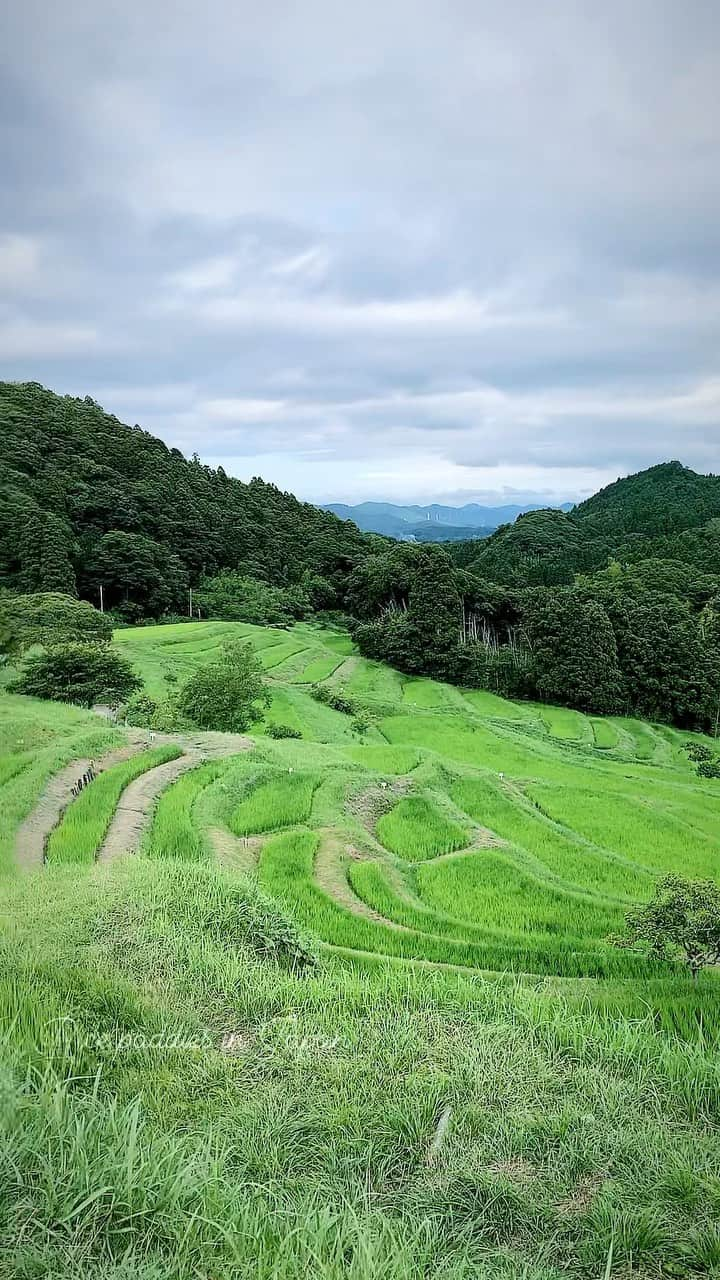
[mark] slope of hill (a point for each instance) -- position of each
(349, 1011)
(667, 511)
(82, 494)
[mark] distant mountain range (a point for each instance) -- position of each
(434, 523)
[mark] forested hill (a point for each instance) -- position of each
(667, 512)
(85, 499)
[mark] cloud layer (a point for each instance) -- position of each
(407, 250)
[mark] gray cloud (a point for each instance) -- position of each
(404, 250)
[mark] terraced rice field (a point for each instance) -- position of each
(467, 829)
(459, 861)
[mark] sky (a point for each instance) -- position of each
(407, 250)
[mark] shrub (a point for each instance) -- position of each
(139, 710)
(50, 618)
(226, 695)
(81, 673)
(697, 751)
(708, 769)
(682, 921)
(282, 731)
(335, 698)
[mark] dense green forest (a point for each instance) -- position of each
(611, 607)
(86, 501)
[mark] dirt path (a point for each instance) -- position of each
(137, 805)
(34, 832)
(330, 876)
(137, 802)
(371, 803)
(239, 853)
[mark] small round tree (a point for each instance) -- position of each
(81, 673)
(682, 921)
(50, 618)
(226, 695)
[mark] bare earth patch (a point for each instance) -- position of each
(239, 853)
(330, 877)
(34, 832)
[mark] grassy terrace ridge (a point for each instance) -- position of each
(352, 1011)
(85, 822)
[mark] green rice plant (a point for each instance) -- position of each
(374, 683)
(605, 734)
(503, 943)
(566, 724)
(320, 668)
(397, 760)
(642, 736)
(286, 871)
(175, 831)
(85, 822)
(415, 829)
(283, 801)
(339, 642)
(569, 859)
(40, 738)
(281, 710)
(427, 693)
(648, 836)
(280, 653)
(485, 703)
(487, 887)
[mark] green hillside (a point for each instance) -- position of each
(352, 1008)
(86, 501)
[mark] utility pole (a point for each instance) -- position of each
(102, 602)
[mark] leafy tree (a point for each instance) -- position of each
(681, 921)
(574, 653)
(235, 597)
(134, 569)
(49, 618)
(64, 457)
(435, 608)
(81, 673)
(226, 695)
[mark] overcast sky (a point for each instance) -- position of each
(406, 249)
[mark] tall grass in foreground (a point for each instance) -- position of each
(415, 829)
(283, 801)
(175, 832)
(86, 820)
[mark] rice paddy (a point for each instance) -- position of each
(467, 1078)
(415, 829)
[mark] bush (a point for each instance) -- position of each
(50, 618)
(81, 673)
(697, 751)
(335, 698)
(708, 769)
(282, 731)
(139, 710)
(361, 724)
(226, 695)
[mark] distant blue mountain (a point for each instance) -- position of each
(434, 523)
